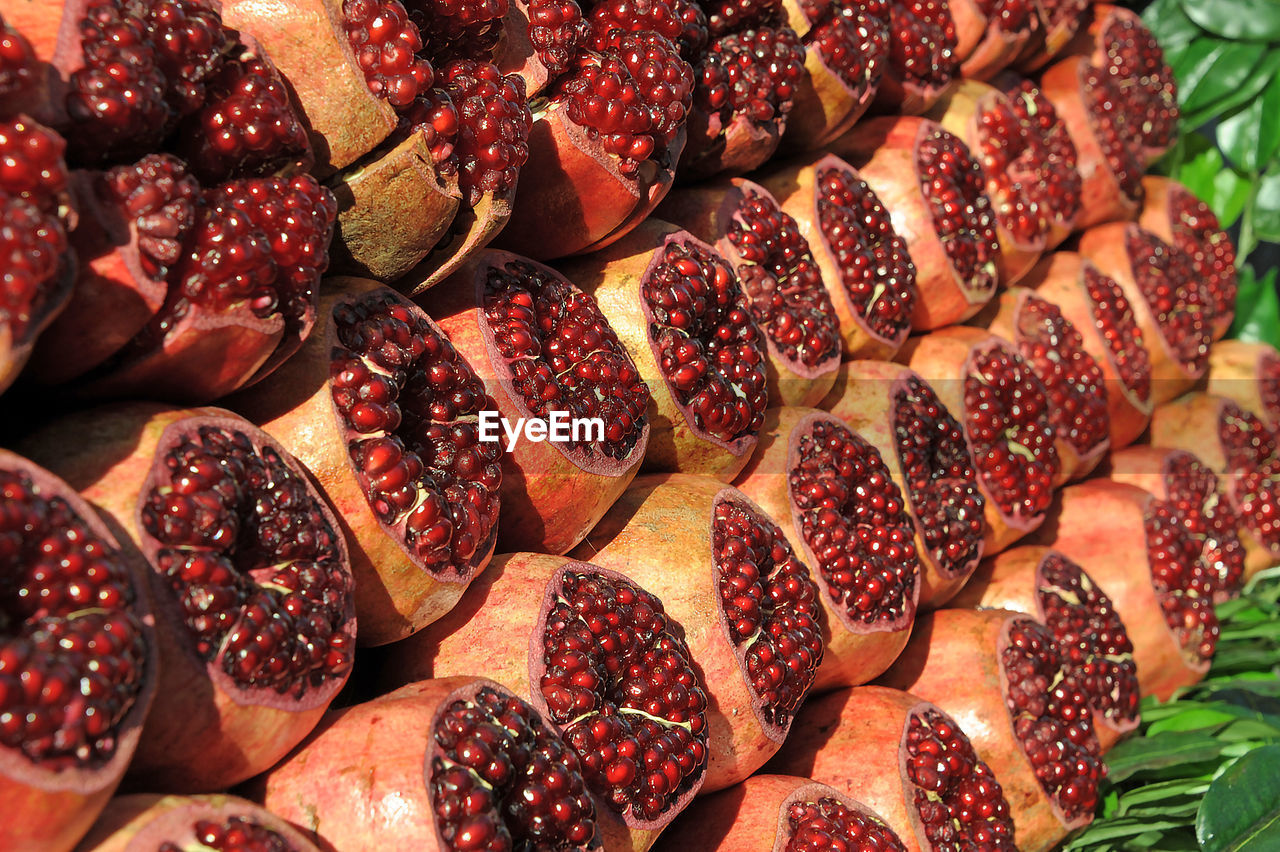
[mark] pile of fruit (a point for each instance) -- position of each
(849, 413)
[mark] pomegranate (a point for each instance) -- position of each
(603, 147)
(991, 34)
(704, 548)
(1089, 101)
(1058, 22)
(1074, 383)
(864, 263)
(1008, 684)
(935, 192)
(544, 349)
(1249, 374)
(778, 273)
(461, 763)
(1175, 215)
(779, 813)
(923, 447)
(1004, 409)
(77, 660)
(1172, 308)
(154, 823)
(598, 657)
(907, 759)
(1120, 46)
(922, 57)
(1095, 646)
(383, 411)
(1192, 492)
(1115, 529)
(679, 309)
(1101, 313)
(1245, 454)
(835, 498)
(249, 576)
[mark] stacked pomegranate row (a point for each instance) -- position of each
(775, 572)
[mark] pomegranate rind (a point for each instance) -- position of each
(995, 48)
(1052, 34)
(1099, 525)
(553, 493)
(395, 596)
(954, 659)
(1013, 580)
(752, 816)
(1237, 371)
(708, 211)
(855, 653)
(205, 732)
(58, 807)
(796, 189)
(361, 807)
(659, 534)
(498, 627)
(1059, 279)
(863, 398)
(714, 148)
(615, 278)
(345, 120)
(883, 150)
(144, 822)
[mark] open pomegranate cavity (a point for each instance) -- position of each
(1119, 328)
(828, 824)
(1149, 95)
(1196, 231)
(921, 48)
(1103, 99)
(954, 184)
(1183, 587)
(235, 834)
(1253, 472)
(1060, 195)
(1167, 282)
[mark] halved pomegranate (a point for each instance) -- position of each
(1175, 215)
(1136, 548)
(779, 813)
(935, 192)
(1249, 374)
(923, 447)
(1004, 409)
(249, 577)
(545, 351)
(922, 57)
(143, 822)
(597, 656)
(835, 498)
(1100, 312)
(1170, 302)
(78, 664)
(1245, 454)
(992, 34)
(462, 763)
(1006, 682)
(864, 262)
(780, 276)
(710, 554)
(1095, 645)
(383, 411)
(679, 309)
(1074, 383)
(1059, 21)
(1192, 492)
(907, 759)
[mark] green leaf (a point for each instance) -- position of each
(1193, 718)
(1241, 810)
(1250, 136)
(1202, 161)
(1122, 827)
(1214, 71)
(1174, 748)
(1170, 25)
(1164, 792)
(1236, 19)
(1257, 308)
(1266, 218)
(1261, 76)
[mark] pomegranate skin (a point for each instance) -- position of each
(855, 653)
(1061, 279)
(1014, 580)
(1249, 374)
(985, 47)
(660, 534)
(553, 495)
(204, 732)
(498, 628)
(58, 807)
(954, 660)
(1099, 525)
(752, 816)
(144, 822)
(395, 596)
(864, 399)
(377, 757)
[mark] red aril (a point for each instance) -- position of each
(923, 447)
(1059, 20)
(991, 34)
(922, 58)
(144, 822)
(834, 497)
(1249, 374)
